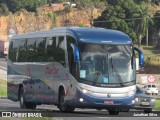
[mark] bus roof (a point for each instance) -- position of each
(84, 34)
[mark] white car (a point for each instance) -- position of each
(143, 101)
(151, 89)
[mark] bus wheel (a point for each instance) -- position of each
(113, 112)
(23, 104)
(70, 109)
(62, 105)
(21, 99)
(30, 105)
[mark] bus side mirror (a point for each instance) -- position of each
(141, 56)
(75, 53)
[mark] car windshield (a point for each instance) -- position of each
(138, 90)
(153, 86)
(101, 63)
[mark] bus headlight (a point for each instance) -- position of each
(136, 99)
(84, 91)
(130, 93)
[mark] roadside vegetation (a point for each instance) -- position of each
(151, 59)
(3, 88)
(157, 105)
(134, 18)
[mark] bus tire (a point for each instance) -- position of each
(21, 99)
(30, 105)
(113, 112)
(62, 105)
(23, 104)
(70, 109)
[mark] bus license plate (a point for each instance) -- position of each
(108, 102)
(145, 103)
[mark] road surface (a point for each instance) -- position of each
(3, 69)
(10, 106)
(3, 63)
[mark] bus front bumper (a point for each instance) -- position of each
(82, 100)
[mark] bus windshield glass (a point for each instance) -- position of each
(106, 64)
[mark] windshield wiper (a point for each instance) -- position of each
(117, 73)
(96, 79)
(112, 64)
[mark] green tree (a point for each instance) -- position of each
(117, 16)
(141, 15)
(30, 5)
(60, 1)
(39, 3)
(157, 28)
(87, 3)
(157, 20)
(157, 2)
(4, 9)
(112, 2)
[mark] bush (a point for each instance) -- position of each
(157, 105)
(4, 9)
(68, 8)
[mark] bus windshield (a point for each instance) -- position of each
(106, 64)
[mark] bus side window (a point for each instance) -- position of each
(31, 50)
(55, 51)
(12, 55)
(13, 51)
(40, 49)
(22, 50)
(50, 49)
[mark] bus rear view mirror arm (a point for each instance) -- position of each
(76, 53)
(141, 56)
